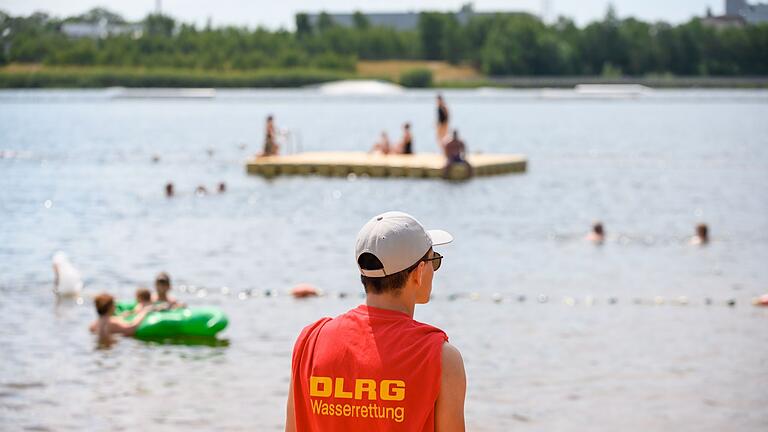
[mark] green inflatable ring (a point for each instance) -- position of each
(202, 321)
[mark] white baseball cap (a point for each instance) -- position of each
(398, 240)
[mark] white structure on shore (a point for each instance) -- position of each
(100, 30)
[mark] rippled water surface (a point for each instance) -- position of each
(557, 334)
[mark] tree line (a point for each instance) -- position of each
(503, 44)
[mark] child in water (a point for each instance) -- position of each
(108, 324)
(143, 299)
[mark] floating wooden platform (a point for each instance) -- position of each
(422, 165)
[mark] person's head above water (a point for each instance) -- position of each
(105, 304)
(702, 232)
(143, 295)
(162, 283)
(394, 251)
(597, 228)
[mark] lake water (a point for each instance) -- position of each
(556, 333)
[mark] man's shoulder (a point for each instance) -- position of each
(310, 328)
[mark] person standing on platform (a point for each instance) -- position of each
(442, 119)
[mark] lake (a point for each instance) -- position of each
(645, 332)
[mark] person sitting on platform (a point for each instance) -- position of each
(455, 151)
(107, 324)
(406, 144)
(382, 145)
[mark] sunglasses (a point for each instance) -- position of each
(436, 259)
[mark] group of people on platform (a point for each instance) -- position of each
(109, 323)
(452, 147)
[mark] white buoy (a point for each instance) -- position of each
(67, 282)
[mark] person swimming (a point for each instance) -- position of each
(597, 235)
(143, 299)
(107, 324)
(169, 189)
(702, 235)
(163, 287)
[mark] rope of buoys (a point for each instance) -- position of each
(305, 290)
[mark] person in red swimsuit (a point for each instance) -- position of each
(375, 368)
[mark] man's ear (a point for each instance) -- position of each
(417, 273)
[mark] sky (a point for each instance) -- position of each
(275, 14)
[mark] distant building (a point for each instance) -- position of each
(402, 20)
(751, 13)
(100, 30)
(723, 21)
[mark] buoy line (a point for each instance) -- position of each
(497, 298)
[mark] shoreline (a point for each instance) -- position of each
(38, 76)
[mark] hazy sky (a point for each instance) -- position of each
(277, 13)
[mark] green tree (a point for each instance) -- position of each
(159, 25)
(361, 21)
(303, 26)
(325, 22)
(431, 26)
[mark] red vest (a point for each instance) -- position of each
(369, 369)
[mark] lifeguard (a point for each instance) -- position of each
(374, 367)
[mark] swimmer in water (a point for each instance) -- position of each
(108, 325)
(702, 235)
(169, 189)
(222, 187)
(163, 286)
(143, 300)
(597, 235)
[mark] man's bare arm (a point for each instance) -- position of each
(129, 328)
(290, 417)
(449, 409)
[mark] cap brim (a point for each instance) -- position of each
(439, 237)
